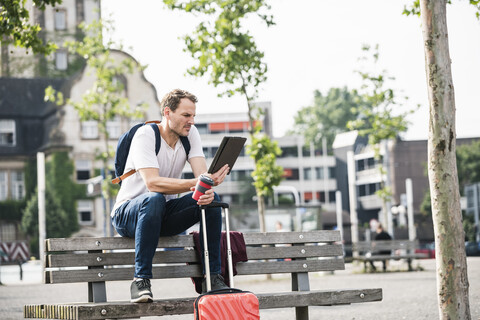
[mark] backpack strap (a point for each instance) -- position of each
(158, 140)
(157, 137)
(186, 145)
(154, 126)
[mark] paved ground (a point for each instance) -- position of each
(406, 295)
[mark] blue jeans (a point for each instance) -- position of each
(149, 216)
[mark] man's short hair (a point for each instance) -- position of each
(172, 99)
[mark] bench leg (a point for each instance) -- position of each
(409, 261)
(97, 292)
(300, 282)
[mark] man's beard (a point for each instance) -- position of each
(180, 133)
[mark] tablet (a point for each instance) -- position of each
(227, 153)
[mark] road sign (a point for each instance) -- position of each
(14, 251)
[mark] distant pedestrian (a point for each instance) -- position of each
(381, 234)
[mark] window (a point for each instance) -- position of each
(60, 19)
(362, 190)
(214, 151)
(85, 212)
(237, 127)
(83, 169)
(8, 232)
(360, 165)
(114, 129)
(17, 186)
(120, 83)
(202, 128)
(368, 189)
(307, 173)
(290, 174)
(331, 172)
(239, 175)
(90, 129)
(331, 196)
(205, 151)
(61, 59)
(289, 152)
(3, 185)
(7, 133)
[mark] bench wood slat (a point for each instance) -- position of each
(379, 245)
(186, 256)
(292, 237)
(115, 274)
(116, 258)
(390, 257)
(123, 310)
(185, 271)
(269, 267)
(110, 243)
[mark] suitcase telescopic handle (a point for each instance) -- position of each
(215, 205)
(225, 206)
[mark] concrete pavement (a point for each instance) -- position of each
(406, 295)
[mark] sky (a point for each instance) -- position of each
(315, 45)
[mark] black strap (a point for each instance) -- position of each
(158, 140)
(186, 144)
(157, 137)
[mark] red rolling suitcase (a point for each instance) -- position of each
(224, 304)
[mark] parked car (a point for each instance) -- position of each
(472, 248)
(427, 248)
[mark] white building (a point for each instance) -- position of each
(298, 162)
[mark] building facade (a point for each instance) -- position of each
(59, 24)
(29, 124)
(400, 160)
(304, 169)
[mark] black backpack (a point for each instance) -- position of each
(123, 147)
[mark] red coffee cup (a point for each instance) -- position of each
(204, 183)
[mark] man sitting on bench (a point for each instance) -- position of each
(147, 205)
(381, 235)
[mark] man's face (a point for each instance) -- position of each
(182, 119)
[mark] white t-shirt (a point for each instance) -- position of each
(170, 162)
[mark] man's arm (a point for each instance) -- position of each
(155, 183)
(199, 165)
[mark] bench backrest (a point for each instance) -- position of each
(108, 259)
(385, 245)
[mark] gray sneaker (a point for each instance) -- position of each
(140, 291)
(217, 283)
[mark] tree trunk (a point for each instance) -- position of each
(261, 211)
(452, 279)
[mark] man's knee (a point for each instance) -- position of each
(154, 205)
(156, 199)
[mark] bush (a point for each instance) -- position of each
(56, 220)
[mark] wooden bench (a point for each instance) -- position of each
(369, 251)
(98, 260)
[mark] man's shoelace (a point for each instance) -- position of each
(143, 284)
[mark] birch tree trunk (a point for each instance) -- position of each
(452, 279)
